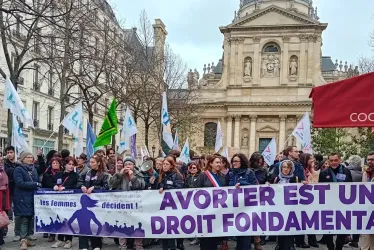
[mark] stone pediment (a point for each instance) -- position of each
(267, 128)
(273, 16)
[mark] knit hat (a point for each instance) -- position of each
(129, 159)
(24, 154)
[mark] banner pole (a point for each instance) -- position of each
(51, 136)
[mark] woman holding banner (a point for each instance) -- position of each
(311, 175)
(242, 175)
(95, 179)
(212, 177)
(66, 180)
(169, 178)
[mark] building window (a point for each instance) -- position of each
(18, 25)
(96, 46)
(95, 127)
(38, 144)
(263, 142)
(210, 132)
(50, 119)
(36, 85)
(51, 91)
(35, 113)
(271, 48)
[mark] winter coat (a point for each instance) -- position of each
(192, 180)
(325, 175)
(299, 171)
(204, 181)
(9, 169)
(93, 179)
(68, 180)
(120, 182)
(26, 182)
(243, 176)
(49, 179)
(261, 175)
(170, 180)
(356, 172)
(83, 171)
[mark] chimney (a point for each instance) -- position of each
(160, 34)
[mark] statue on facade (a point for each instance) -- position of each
(270, 66)
(245, 139)
(292, 4)
(190, 78)
(196, 76)
(293, 67)
(258, 4)
(248, 68)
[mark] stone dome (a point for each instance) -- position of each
(245, 2)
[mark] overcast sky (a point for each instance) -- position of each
(193, 26)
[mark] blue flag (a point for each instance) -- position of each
(90, 141)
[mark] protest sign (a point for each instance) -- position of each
(337, 208)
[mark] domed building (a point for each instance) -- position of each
(260, 88)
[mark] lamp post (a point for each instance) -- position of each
(153, 151)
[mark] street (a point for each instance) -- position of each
(42, 244)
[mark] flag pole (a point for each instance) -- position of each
(51, 135)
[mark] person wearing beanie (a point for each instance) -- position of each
(27, 180)
(128, 179)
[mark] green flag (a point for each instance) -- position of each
(109, 128)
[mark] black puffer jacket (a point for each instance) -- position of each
(192, 181)
(170, 180)
(261, 174)
(9, 169)
(93, 178)
(69, 180)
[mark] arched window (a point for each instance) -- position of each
(271, 48)
(210, 132)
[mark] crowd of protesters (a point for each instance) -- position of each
(106, 171)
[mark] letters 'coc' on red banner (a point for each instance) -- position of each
(347, 103)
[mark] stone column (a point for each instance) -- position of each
(282, 131)
(252, 138)
(302, 60)
(237, 132)
(232, 62)
(228, 131)
(256, 61)
(239, 61)
(310, 66)
(285, 62)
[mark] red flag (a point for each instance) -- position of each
(346, 103)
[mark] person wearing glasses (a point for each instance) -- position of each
(291, 153)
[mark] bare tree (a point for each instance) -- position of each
(21, 23)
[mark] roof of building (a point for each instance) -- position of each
(253, 1)
(107, 9)
(327, 64)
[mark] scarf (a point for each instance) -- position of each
(284, 179)
(29, 167)
(340, 171)
(54, 171)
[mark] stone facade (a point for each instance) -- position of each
(271, 60)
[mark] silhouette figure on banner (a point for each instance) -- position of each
(84, 217)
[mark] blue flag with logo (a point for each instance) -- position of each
(90, 141)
